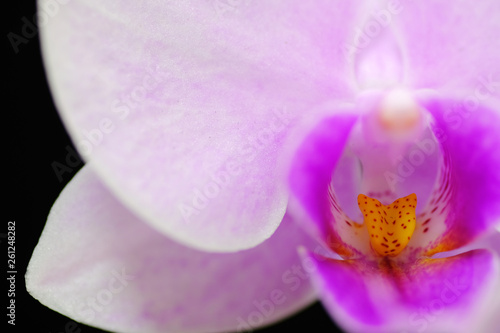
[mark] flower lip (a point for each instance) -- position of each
(390, 226)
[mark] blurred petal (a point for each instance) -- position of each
(312, 167)
(464, 204)
(100, 265)
(491, 321)
(449, 46)
(428, 295)
(183, 105)
(380, 65)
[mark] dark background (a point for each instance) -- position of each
(35, 139)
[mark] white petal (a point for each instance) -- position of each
(98, 264)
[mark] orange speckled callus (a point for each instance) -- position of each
(390, 226)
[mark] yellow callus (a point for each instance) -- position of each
(390, 227)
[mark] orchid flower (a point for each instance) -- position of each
(245, 158)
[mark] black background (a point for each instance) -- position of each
(35, 139)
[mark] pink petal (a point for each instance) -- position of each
(449, 46)
(182, 107)
(427, 296)
(100, 265)
(379, 63)
(465, 203)
(310, 175)
(491, 321)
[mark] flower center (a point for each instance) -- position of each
(390, 226)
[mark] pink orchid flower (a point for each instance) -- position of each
(247, 157)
